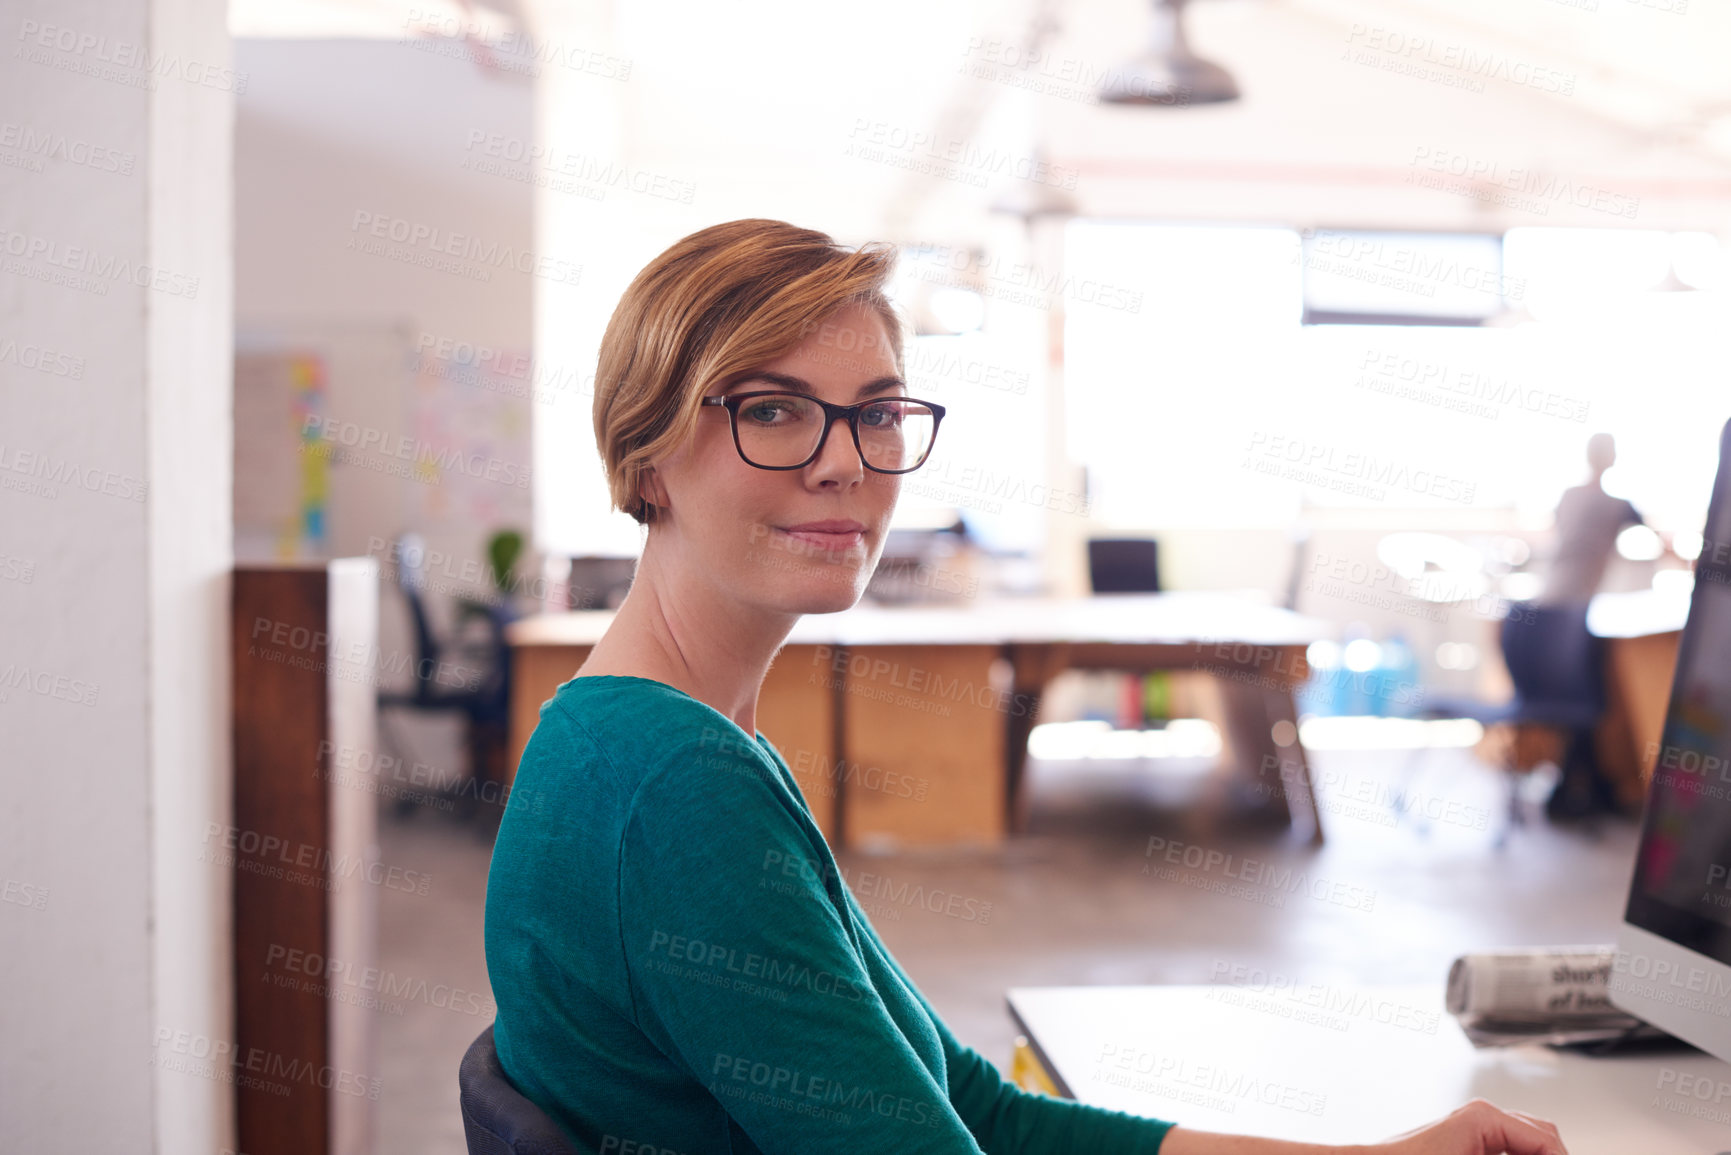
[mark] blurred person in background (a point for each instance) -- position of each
(1584, 535)
(1583, 539)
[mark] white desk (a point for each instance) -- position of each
(1177, 617)
(945, 695)
(1358, 1065)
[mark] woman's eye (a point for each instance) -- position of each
(882, 416)
(765, 411)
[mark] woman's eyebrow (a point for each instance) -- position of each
(800, 385)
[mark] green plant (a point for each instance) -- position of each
(503, 550)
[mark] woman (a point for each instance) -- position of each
(677, 962)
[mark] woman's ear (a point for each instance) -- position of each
(650, 489)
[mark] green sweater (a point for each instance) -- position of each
(680, 968)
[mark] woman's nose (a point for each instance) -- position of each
(839, 441)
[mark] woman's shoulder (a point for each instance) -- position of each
(632, 704)
(642, 727)
(621, 751)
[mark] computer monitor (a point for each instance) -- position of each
(1673, 962)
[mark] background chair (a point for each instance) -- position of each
(1557, 666)
(471, 679)
(1124, 565)
(497, 1119)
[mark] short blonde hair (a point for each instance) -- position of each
(715, 306)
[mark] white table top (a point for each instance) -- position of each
(1638, 613)
(1324, 1064)
(1179, 617)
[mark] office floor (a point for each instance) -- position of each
(1072, 904)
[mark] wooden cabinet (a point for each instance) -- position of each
(304, 849)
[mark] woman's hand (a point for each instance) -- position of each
(1477, 1128)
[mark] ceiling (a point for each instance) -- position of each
(909, 119)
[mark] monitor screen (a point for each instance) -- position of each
(1682, 884)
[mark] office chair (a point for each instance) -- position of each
(1557, 666)
(497, 1119)
(1124, 565)
(471, 681)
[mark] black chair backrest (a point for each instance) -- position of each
(1552, 658)
(497, 1119)
(411, 554)
(426, 646)
(1124, 565)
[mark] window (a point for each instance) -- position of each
(1216, 406)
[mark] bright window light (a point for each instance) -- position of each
(1699, 260)
(1457, 655)
(1080, 741)
(1213, 407)
(1362, 655)
(1366, 732)
(1323, 654)
(1520, 587)
(1674, 582)
(1638, 543)
(1411, 555)
(958, 310)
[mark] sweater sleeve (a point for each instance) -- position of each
(746, 976)
(1007, 1120)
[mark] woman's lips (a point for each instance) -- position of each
(825, 540)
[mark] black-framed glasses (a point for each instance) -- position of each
(777, 430)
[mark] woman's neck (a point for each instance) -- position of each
(676, 629)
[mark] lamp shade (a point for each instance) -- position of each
(1169, 74)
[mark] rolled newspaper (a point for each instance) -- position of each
(1554, 994)
(1541, 983)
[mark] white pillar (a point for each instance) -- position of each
(580, 116)
(1065, 560)
(115, 545)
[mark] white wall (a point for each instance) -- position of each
(329, 128)
(114, 484)
(332, 136)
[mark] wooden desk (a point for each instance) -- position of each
(1643, 629)
(1351, 1065)
(911, 723)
